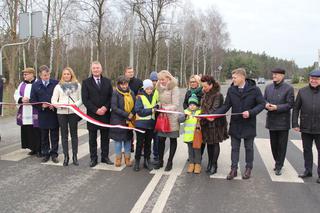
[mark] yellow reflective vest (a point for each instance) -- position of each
(148, 105)
(190, 125)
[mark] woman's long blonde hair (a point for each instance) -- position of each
(73, 76)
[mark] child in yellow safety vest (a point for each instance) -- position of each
(145, 119)
(190, 124)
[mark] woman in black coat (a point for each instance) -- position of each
(214, 131)
(122, 106)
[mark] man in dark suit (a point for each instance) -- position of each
(135, 84)
(280, 97)
(306, 107)
(42, 91)
(96, 96)
(246, 100)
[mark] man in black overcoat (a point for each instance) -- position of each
(96, 96)
(246, 101)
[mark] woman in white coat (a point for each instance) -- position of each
(68, 91)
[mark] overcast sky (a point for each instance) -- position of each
(287, 29)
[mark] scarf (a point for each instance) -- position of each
(195, 91)
(128, 100)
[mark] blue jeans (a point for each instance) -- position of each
(125, 144)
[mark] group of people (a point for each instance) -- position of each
(136, 103)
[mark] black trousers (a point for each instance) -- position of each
(66, 122)
(235, 151)
(144, 142)
(45, 143)
(104, 144)
(162, 146)
(213, 153)
(307, 141)
(279, 142)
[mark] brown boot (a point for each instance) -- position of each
(118, 161)
(197, 168)
(247, 174)
(232, 174)
(128, 161)
(190, 168)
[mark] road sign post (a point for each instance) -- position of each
(30, 25)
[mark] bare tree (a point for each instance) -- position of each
(151, 18)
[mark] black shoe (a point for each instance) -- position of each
(107, 161)
(45, 159)
(65, 161)
(305, 174)
(209, 166)
(168, 166)
(32, 153)
(159, 165)
(318, 180)
(232, 174)
(39, 155)
(93, 163)
(75, 160)
(55, 159)
(147, 165)
(247, 174)
(278, 172)
(213, 169)
(136, 166)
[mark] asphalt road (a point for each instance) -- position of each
(26, 185)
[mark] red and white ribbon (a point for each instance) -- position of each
(199, 116)
(81, 114)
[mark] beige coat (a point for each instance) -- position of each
(169, 100)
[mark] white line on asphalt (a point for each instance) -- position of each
(83, 150)
(289, 174)
(298, 144)
(224, 161)
(16, 155)
(143, 199)
(103, 166)
(21, 154)
(178, 164)
(9, 146)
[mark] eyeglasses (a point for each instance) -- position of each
(192, 82)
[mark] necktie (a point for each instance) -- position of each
(98, 82)
(46, 83)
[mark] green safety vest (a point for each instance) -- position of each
(190, 125)
(147, 105)
(155, 96)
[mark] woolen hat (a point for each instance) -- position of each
(278, 70)
(147, 83)
(193, 100)
(314, 73)
(153, 76)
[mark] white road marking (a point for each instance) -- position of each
(21, 154)
(16, 155)
(289, 174)
(298, 144)
(143, 199)
(224, 161)
(178, 165)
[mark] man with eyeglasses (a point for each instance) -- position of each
(307, 107)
